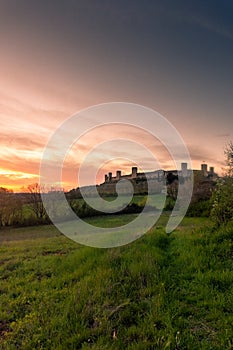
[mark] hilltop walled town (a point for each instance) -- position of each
(158, 180)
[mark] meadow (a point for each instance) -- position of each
(160, 292)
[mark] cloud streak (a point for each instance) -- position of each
(211, 26)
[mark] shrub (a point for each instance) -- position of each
(169, 204)
(222, 202)
(201, 208)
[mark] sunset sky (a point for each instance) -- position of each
(59, 57)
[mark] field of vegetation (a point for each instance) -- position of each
(160, 292)
(170, 292)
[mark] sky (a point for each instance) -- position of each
(60, 57)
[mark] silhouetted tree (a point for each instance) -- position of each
(229, 159)
(172, 189)
(222, 198)
(36, 203)
(171, 178)
(10, 208)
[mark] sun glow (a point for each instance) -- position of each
(17, 174)
(15, 180)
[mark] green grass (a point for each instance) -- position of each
(160, 292)
(154, 200)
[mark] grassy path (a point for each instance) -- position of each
(198, 281)
(161, 292)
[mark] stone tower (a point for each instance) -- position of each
(118, 174)
(134, 172)
(184, 169)
(204, 170)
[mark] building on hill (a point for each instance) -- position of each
(158, 180)
(161, 175)
(210, 174)
(204, 182)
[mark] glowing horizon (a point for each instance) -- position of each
(161, 56)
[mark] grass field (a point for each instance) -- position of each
(160, 292)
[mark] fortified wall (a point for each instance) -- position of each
(156, 180)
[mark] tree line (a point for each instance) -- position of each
(24, 209)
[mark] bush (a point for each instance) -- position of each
(83, 210)
(201, 208)
(169, 204)
(222, 202)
